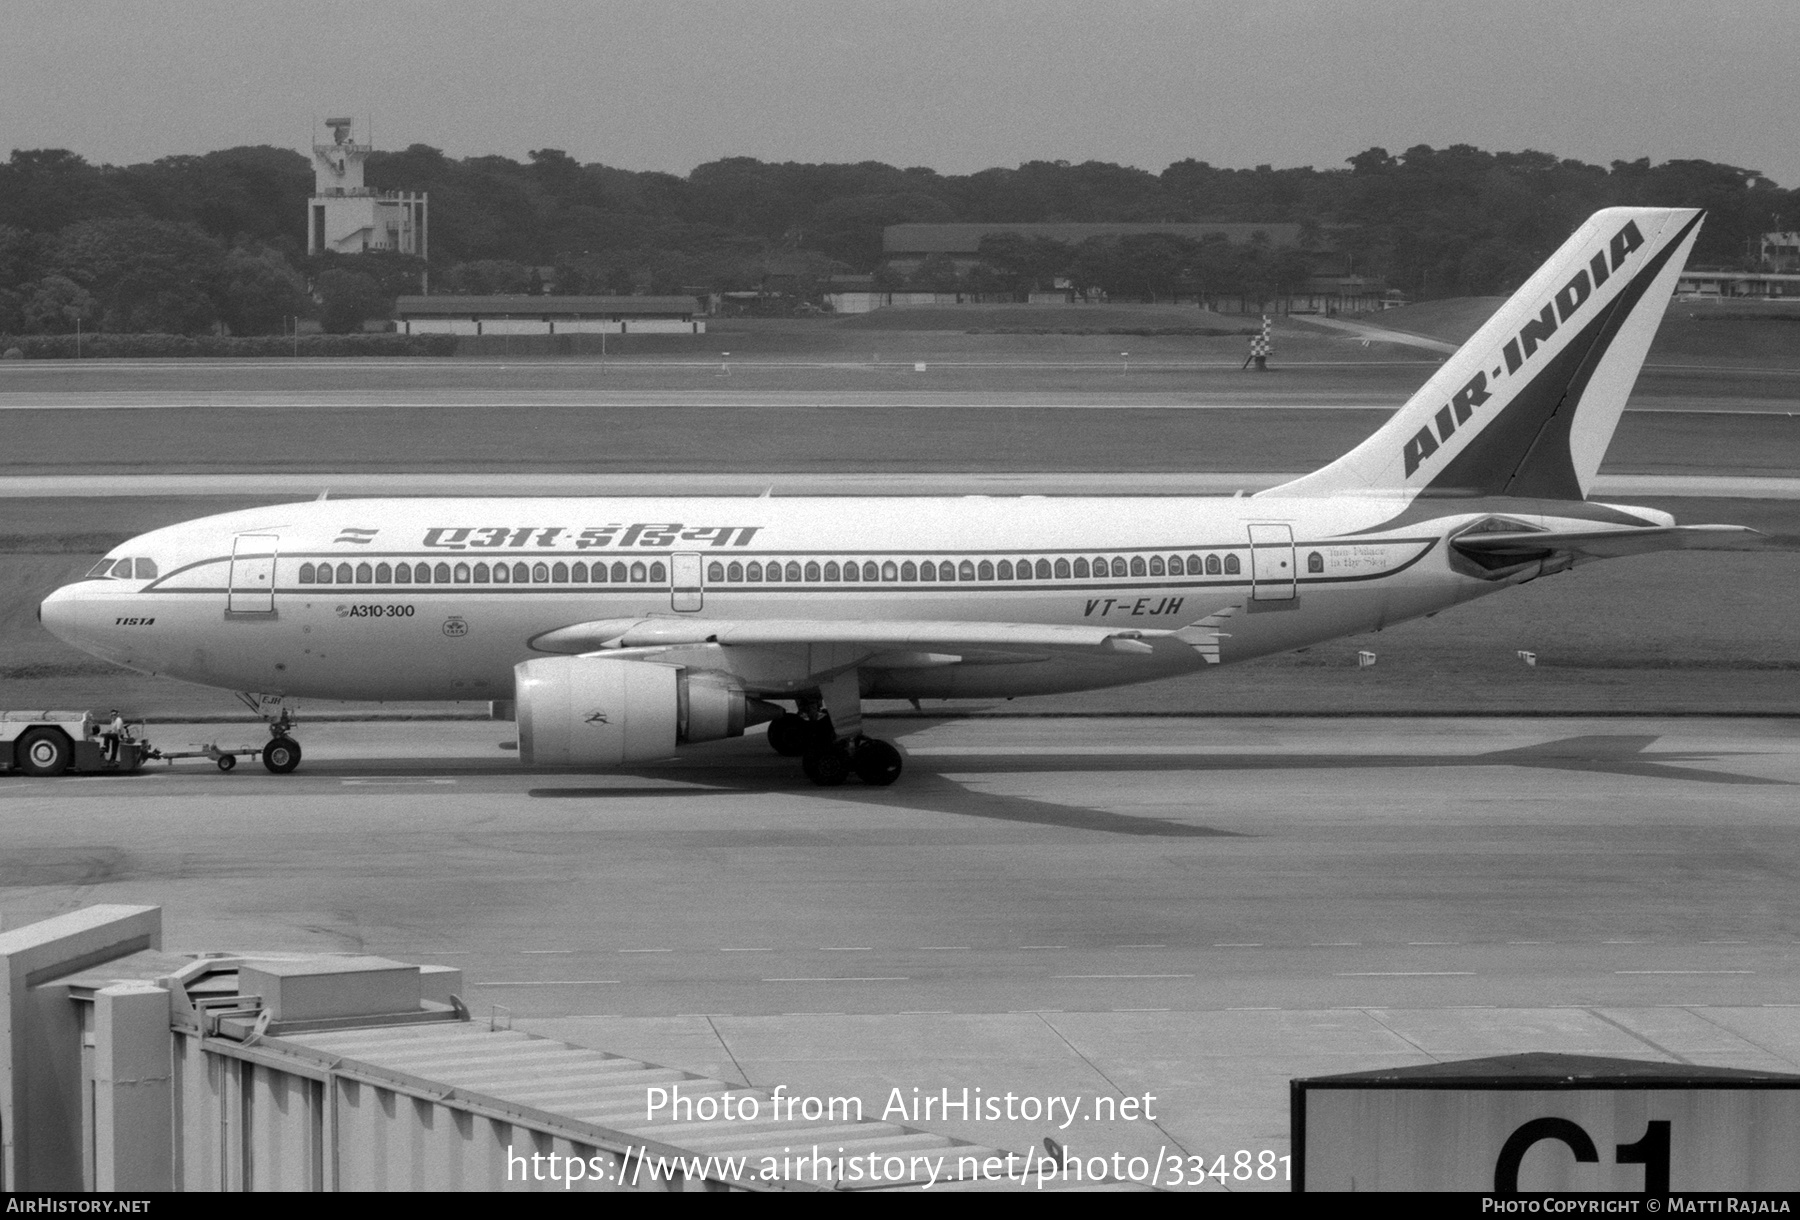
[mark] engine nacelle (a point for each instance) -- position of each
(598, 712)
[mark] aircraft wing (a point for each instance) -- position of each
(881, 635)
(1610, 544)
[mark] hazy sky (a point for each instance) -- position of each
(956, 86)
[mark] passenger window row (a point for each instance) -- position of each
(913, 571)
(541, 573)
(773, 571)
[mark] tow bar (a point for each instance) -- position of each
(224, 759)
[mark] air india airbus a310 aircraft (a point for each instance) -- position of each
(623, 628)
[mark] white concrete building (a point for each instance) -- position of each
(549, 315)
(1697, 285)
(348, 217)
(1780, 251)
(867, 302)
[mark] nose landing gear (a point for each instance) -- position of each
(282, 754)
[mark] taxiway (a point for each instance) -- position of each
(1199, 908)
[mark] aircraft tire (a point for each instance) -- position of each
(827, 767)
(44, 752)
(787, 735)
(281, 755)
(877, 762)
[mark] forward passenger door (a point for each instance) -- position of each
(251, 588)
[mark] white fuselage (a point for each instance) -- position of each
(307, 599)
(441, 599)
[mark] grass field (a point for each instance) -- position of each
(1107, 318)
(1724, 335)
(1451, 320)
(796, 438)
(1029, 355)
(1707, 333)
(1713, 333)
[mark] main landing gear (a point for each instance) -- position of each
(791, 736)
(829, 760)
(872, 761)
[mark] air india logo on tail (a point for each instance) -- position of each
(1519, 350)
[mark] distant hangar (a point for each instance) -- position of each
(549, 315)
(904, 247)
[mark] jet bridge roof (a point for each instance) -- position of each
(600, 1099)
(348, 1071)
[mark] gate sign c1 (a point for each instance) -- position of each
(1539, 1122)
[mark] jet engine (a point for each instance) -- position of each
(600, 712)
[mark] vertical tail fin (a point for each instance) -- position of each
(1528, 405)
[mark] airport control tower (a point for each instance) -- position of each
(347, 217)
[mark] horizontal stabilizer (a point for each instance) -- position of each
(1610, 544)
(1203, 636)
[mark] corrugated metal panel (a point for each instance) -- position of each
(602, 1097)
(198, 1092)
(348, 1095)
(281, 1130)
(262, 1113)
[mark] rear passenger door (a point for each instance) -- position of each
(1272, 563)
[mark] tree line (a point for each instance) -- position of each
(184, 245)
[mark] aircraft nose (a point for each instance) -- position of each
(60, 613)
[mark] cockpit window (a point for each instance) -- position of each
(131, 568)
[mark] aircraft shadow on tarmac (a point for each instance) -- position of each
(928, 786)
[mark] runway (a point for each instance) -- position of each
(649, 417)
(724, 398)
(1199, 908)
